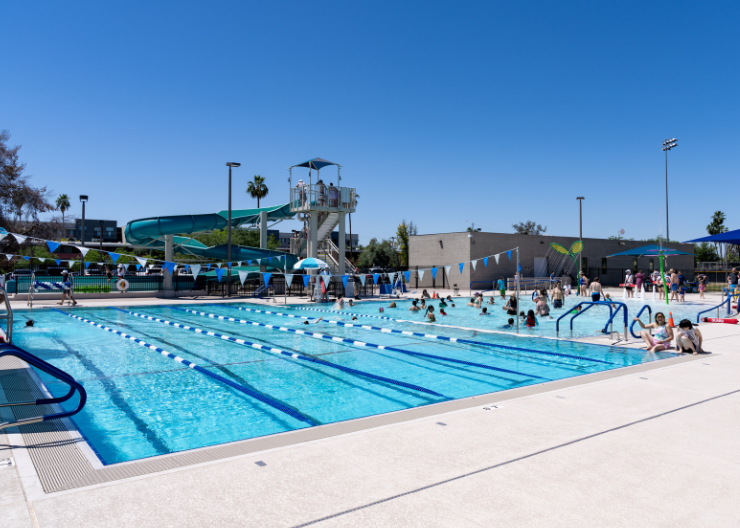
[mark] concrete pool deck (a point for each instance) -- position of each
(656, 446)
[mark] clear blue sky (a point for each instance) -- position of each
(439, 112)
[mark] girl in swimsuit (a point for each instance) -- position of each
(531, 319)
(661, 339)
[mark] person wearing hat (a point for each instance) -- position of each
(67, 284)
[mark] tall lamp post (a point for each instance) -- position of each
(668, 144)
(83, 199)
(580, 237)
(229, 164)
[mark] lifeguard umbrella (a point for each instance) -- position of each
(652, 251)
(310, 263)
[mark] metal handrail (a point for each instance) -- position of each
(619, 307)
(259, 291)
(74, 386)
(569, 312)
(650, 320)
(727, 301)
(334, 249)
(9, 315)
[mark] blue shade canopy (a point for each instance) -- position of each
(649, 251)
(315, 164)
(731, 237)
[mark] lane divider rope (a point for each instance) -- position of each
(293, 355)
(256, 395)
(415, 334)
(317, 335)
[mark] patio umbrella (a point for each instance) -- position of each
(310, 263)
(652, 251)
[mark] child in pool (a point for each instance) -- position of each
(442, 311)
(682, 294)
(491, 301)
(509, 325)
(531, 321)
(484, 311)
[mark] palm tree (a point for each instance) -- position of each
(717, 227)
(257, 188)
(63, 204)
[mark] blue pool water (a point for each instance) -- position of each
(590, 323)
(142, 404)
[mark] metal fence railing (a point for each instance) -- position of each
(101, 284)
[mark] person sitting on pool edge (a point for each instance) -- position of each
(425, 295)
(413, 307)
(484, 311)
(509, 325)
(688, 338)
(661, 339)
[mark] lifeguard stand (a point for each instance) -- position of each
(323, 207)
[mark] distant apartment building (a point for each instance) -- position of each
(96, 229)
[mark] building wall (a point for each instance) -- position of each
(452, 248)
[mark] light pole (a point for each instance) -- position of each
(83, 199)
(668, 144)
(580, 237)
(229, 164)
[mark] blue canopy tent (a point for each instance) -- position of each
(316, 164)
(730, 237)
(652, 250)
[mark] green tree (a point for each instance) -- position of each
(257, 188)
(378, 254)
(705, 252)
(403, 233)
(528, 228)
(717, 227)
(63, 205)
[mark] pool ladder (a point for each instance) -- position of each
(7, 316)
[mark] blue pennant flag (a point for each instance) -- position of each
(462, 265)
(266, 277)
(52, 246)
(509, 253)
(408, 275)
(249, 263)
(434, 273)
(344, 280)
(219, 272)
(306, 278)
(87, 264)
(229, 264)
(209, 267)
(114, 256)
(170, 266)
(520, 267)
(485, 261)
(376, 276)
(57, 261)
(138, 267)
(27, 258)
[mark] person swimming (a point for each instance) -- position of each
(392, 305)
(350, 303)
(531, 321)
(491, 301)
(510, 324)
(484, 311)
(442, 311)
(442, 303)
(316, 321)
(414, 307)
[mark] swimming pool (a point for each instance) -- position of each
(590, 323)
(141, 403)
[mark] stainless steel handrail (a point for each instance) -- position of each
(9, 316)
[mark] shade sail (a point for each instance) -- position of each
(315, 164)
(731, 237)
(648, 251)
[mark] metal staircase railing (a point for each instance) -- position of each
(8, 349)
(7, 316)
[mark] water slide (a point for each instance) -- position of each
(150, 233)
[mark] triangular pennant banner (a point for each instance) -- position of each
(239, 264)
(288, 279)
(243, 276)
(391, 277)
(138, 266)
(345, 278)
(421, 274)
(195, 270)
(20, 239)
(447, 269)
(520, 267)
(485, 261)
(509, 253)
(41, 259)
(259, 262)
(57, 261)
(141, 260)
(87, 265)
(434, 273)
(269, 259)
(83, 250)
(52, 246)
(219, 273)
(9, 257)
(229, 264)
(474, 263)
(170, 266)
(208, 266)
(266, 277)
(376, 276)
(218, 265)
(26, 258)
(114, 256)
(249, 263)
(408, 275)
(306, 278)
(461, 265)
(496, 257)
(363, 278)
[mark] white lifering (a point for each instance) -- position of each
(122, 285)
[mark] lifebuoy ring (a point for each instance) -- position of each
(122, 285)
(718, 320)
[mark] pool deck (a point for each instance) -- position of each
(652, 445)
